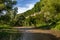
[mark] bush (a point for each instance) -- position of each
(57, 27)
(4, 26)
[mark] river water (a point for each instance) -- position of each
(29, 34)
(33, 34)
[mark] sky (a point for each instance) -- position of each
(24, 5)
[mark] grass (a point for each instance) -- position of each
(5, 26)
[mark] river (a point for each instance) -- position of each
(31, 34)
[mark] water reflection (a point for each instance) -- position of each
(39, 36)
(9, 35)
(27, 36)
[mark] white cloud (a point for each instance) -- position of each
(24, 9)
(21, 10)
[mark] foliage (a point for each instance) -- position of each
(45, 14)
(32, 20)
(6, 4)
(7, 12)
(5, 26)
(19, 21)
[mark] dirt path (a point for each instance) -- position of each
(37, 34)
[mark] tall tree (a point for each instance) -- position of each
(20, 20)
(32, 20)
(6, 9)
(6, 5)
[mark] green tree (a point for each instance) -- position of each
(6, 9)
(37, 7)
(6, 5)
(15, 11)
(32, 20)
(20, 21)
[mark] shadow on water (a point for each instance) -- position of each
(39, 36)
(9, 35)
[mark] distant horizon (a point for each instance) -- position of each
(24, 5)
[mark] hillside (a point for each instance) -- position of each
(45, 12)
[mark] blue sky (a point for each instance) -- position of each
(24, 5)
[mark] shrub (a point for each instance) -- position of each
(4, 26)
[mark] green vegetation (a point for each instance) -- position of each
(45, 15)
(7, 13)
